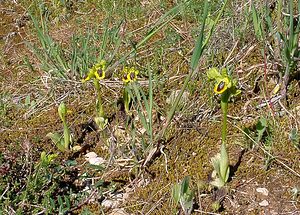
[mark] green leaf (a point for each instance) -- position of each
(27, 101)
(294, 137)
(43, 156)
(101, 122)
(185, 185)
(257, 24)
(189, 195)
(52, 203)
(57, 140)
(217, 182)
(261, 127)
(51, 157)
(220, 163)
(96, 167)
(55, 137)
(268, 18)
(187, 203)
(176, 193)
(224, 164)
(71, 163)
(126, 99)
(215, 160)
(104, 39)
(199, 46)
(60, 202)
(67, 201)
(99, 184)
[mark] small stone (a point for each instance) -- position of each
(262, 190)
(264, 203)
(96, 161)
(93, 158)
(90, 155)
(110, 203)
(118, 211)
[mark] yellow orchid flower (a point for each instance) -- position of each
(97, 71)
(129, 74)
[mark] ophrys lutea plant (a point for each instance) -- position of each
(226, 87)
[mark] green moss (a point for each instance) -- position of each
(187, 155)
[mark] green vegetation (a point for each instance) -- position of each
(124, 91)
(97, 73)
(62, 143)
(182, 194)
(286, 33)
(227, 88)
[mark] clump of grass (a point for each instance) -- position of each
(286, 36)
(200, 46)
(73, 61)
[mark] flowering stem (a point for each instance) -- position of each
(99, 107)
(126, 99)
(66, 136)
(224, 107)
(224, 160)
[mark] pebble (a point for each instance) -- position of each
(264, 203)
(262, 190)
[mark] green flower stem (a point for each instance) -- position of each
(126, 98)
(224, 106)
(66, 135)
(224, 160)
(99, 107)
